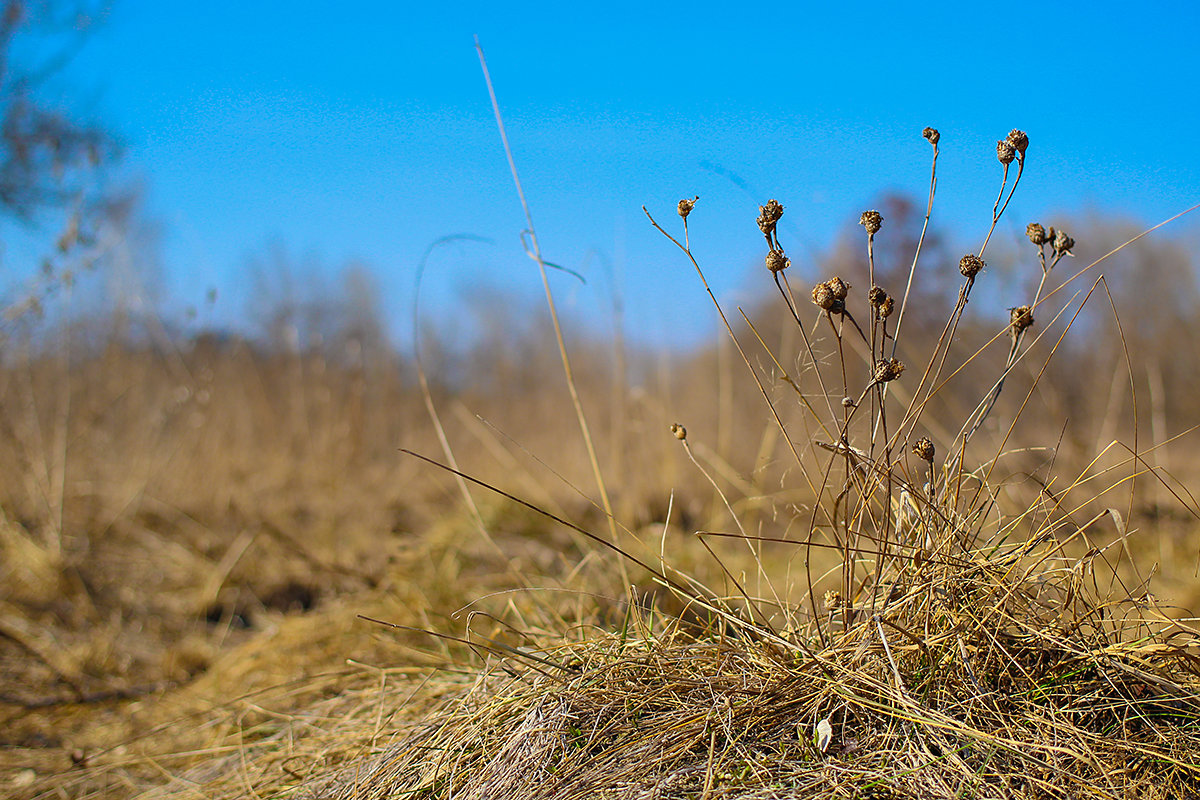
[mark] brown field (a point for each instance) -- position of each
(192, 529)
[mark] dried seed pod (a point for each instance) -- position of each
(777, 261)
(872, 221)
(932, 135)
(1005, 151)
(1036, 233)
(1062, 243)
(881, 301)
(822, 295)
(1019, 140)
(686, 206)
(768, 216)
(832, 600)
(839, 288)
(848, 402)
(887, 369)
(970, 265)
(923, 449)
(1020, 318)
(678, 431)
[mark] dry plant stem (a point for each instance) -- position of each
(687, 448)
(558, 335)
(762, 390)
(912, 270)
(790, 301)
(997, 209)
(729, 329)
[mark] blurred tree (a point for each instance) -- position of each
(46, 157)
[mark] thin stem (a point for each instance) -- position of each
(536, 253)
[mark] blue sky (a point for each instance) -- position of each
(365, 133)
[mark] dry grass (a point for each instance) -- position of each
(883, 586)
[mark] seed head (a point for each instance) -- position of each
(1020, 318)
(932, 135)
(872, 221)
(1005, 151)
(839, 288)
(970, 265)
(881, 301)
(923, 449)
(678, 431)
(832, 600)
(1036, 233)
(768, 216)
(1062, 243)
(777, 261)
(887, 369)
(822, 295)
(686, 206)
(1019, 140)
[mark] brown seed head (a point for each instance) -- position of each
(768, 216)
(777, 261)
(839, 288)
(882, 302)
(1020, 318)
(822, 295)
(678, 431)
(1005, 151)
(885, 310)
(872, 221)
(923, 449)
(886, 370)
(1062, 243)
(932, 135)
(1019, 140)
(1036, 233)
(832, 600)
(686, 206)
(970, 265)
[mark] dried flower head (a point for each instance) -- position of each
(1005, 151)
(1019, 140)
(1020, 318)
(970, 265)
(777, 261)
(768, 216)
(881, 301)
(822, 295)
(839, 288)
(923, 449)
(686, 206)
(849, 402)
(678, 431)
(832, 600)
(1062, 243)
(887, 369)
(872, 221)
(1036, 233)
(932, 135)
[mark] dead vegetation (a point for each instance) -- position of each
(222, 579)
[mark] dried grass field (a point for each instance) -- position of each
(880, 540)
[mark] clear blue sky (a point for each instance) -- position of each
(365, 132)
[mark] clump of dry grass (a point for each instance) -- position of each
(943, 641)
